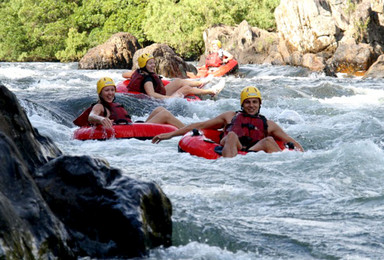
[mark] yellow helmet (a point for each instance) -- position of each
(143, 59)
(104, 82)
(249, 92)
(217, 42)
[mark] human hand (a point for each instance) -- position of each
(160, 137)
(106, 122)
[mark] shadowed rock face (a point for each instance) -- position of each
(27, 223)
(106, 213)
(33, 147)
(55, 206)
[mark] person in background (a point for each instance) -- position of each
(106, 111)
(217, 56)
(146, 81)
(244, 130)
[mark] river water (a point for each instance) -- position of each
(325, 203)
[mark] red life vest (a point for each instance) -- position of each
(136, 83)
(117, 113)
(250, 129)
(213, 60)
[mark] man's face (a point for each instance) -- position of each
(251, 106)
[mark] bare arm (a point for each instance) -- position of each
(95, 117)
(277, 132)
(150, 91)
(127, 74)
(227, 56)
(215, 123)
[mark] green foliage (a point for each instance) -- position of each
(262, 14)
(14, 41)
(65, 29)
(181, 24)
(76, 46)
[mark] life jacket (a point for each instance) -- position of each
(136, 83)
(117, 114)
(250, 129)
(214, 60)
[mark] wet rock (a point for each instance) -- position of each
(106, 213)
(34, 148)
(28, 229)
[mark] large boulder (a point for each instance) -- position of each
(35, 149)
(106, 213)
(352, 58)
(345, 36)
(116, 53)
(168, 63)
(306, 25)
(28, 229)
(377, 69)
(61, 207)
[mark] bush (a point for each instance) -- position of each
(64, 30)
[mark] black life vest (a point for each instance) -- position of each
(213, 60)
(136, 83)
(250, 129)
(117, 114)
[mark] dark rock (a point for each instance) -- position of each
(116, 53)
(34, 148)
(106, 213)
(28, 229)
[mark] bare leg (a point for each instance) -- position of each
(160, 115)
(185, 87)
(231, 145)
(187, 90)
(267, 145)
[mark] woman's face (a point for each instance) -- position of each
(108, 93)
(151, 65)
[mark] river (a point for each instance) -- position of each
(325, 203)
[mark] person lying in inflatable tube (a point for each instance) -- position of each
(245, 130)
(106, 111)
(217, 56)
(145, 80)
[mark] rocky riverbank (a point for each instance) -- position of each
(328, 36)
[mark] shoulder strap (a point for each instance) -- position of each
(265, 125)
